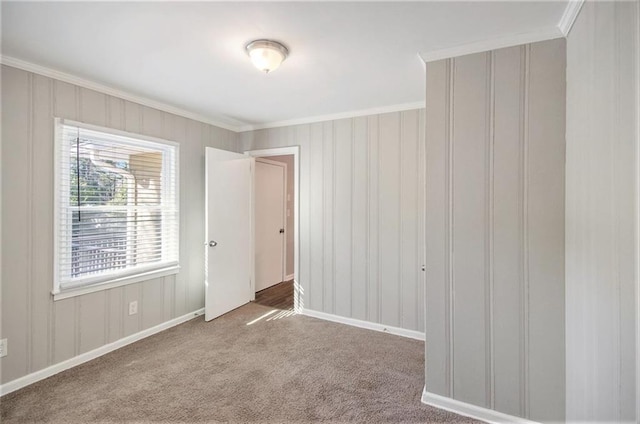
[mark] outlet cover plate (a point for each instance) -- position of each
(3, 348)
(133, 307)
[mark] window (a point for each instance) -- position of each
(117, 208)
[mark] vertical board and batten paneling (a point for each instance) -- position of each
(361, 213)
(601, 219)
(42, 332)
(411, 218)
(507, 242)
(495, 229)
(359, 228)
(545, 182)
(17, 162)
(468, 218)
(314, 287)
(438, 157)
(303, 136)
(389, 230)
(42, 234)
(342, 216)
(373, 252)
(328, 204)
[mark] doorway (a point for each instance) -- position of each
(276, 192)
(271, 209)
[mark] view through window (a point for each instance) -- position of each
(117, 206)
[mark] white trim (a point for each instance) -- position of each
(364, 324)
(285, 219)
(60, 161)
(276, 151)
(280, 151)
(335, 116)
(289, 277)
(252, 229)
(491, 44)
(111, 91)
(116, 282)
(569, 16)
(469, 410)
(637, 276)
(271, 162)
(34, 377)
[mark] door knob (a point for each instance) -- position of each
(213, 243)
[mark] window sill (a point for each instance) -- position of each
(116, 282)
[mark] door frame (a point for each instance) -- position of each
(298, 303)
(284, 263)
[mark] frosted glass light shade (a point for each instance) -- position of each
(266, 55)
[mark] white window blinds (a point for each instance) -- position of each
(117, 206)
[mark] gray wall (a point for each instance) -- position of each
(361, 214)
(602, 145)
(288, 159)
(495, 150)
(42, 332)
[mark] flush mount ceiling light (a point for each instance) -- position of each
(266, 55)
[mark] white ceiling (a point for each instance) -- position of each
(344, 56)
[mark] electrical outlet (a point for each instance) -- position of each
(3, 348)
(133, 307)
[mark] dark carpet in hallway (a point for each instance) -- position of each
(254, 364)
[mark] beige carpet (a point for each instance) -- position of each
(278, 369)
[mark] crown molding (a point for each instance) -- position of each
(243, 127)
(569, 16)
(111, 91)
(491, 44)
(561, 30)
(332, 117)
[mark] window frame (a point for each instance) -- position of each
(117, 278)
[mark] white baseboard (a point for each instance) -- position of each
(21, 382)
(288, 277)
(364, 324)
(469, 410)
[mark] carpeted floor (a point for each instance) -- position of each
(255, 364)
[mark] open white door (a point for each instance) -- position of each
(229, 258)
